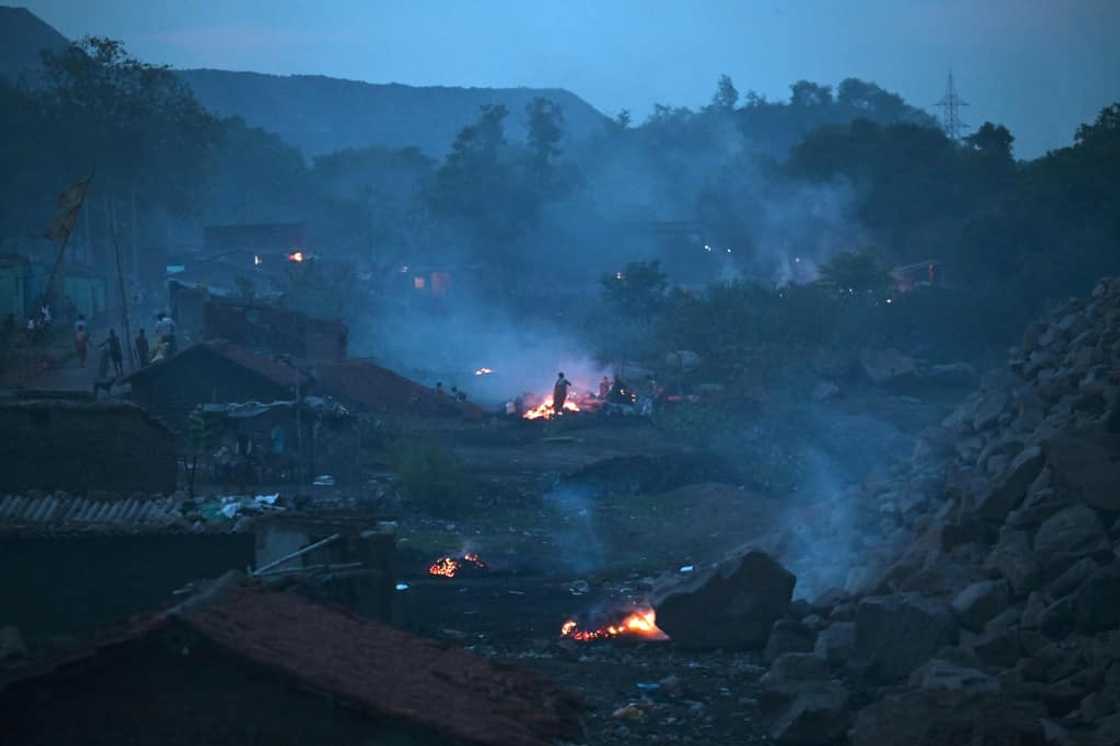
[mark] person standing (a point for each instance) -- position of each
(113, 343)
(81, 340)
(142, 348)
(560, 393)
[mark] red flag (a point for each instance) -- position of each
(66, 214)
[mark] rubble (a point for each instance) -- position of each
(995, 620)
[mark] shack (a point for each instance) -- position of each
(213, 372)
(282, 442)
(82, 445)
(273, 330)
(368, 387)
(240, 664)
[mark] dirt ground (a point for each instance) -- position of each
(582, 519)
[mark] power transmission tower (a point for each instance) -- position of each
(950, 105)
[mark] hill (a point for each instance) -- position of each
(321, 115)
(23, 37)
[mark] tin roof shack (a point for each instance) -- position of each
(371, 388)
(76, 446)
(238, 664)
(74, 564)
(212, 372)
(280, 441)
(343, 557)
(274, 330)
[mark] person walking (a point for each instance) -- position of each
(142, 348)
(113, 343)
(560, 393)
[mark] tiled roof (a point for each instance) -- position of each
(50, 511)
(276, 371)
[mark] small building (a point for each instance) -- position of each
(274, 330)
(237, 663)
(280, 442)
(368, 387)
(213, 372)
(82, 445)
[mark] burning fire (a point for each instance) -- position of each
(448, 567)
(545, 410)
(639, 623)
(483, 372)
(295, 256)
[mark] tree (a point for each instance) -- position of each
(851, 271)
(546, 128)
(992, 141)
(726, 96)
(623, 119)
(639, 289)
(804, 94)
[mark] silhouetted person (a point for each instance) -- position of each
(604, 388)
(142, 348)
(113, 343)
(560, 393)
(81, 340)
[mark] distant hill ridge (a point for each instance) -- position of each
(319, 114)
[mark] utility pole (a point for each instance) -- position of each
(950, 105)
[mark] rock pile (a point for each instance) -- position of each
(987, 607)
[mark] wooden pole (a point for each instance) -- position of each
(127, 341)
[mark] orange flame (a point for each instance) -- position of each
(639, 623)
(448, 567)
(545, 410)
(295, 256)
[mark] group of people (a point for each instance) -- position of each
(110, 366)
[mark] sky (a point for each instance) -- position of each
(1041, 67)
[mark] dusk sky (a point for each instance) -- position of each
(1039, 66)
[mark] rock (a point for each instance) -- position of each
(825, 390)
(887, 366)
(1071, 533)
(951, 374)
(1013, 559)
(948, 675)
(788, 636)
(732, 605)
(989, 409)
(1032, 614)
(1009, 490)
(1057, 619)
(790, 673)
(1089, 465)
(1107, 731)
(1097, 604)
(997, 647)
(895, 634)
(1070, 580)
(835, 643)
(979, 602)
(817, 715)
(11, 644)
(940, 717)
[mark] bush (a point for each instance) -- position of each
(431, 476)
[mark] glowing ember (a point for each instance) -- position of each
(639, 623)
(295, 256)
(448, 567)
(577, 401)
(483, 372)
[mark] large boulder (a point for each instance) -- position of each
(944, 716)
(980, 602)
(817, 715)
(835, 642)
(1014, 559)
(732, 605)
(1008, 490)
(897, 633)
(1097, 604)
(788, 636)
(1089, 465)
(1071, 533)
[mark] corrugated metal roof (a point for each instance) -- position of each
(77, 512)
